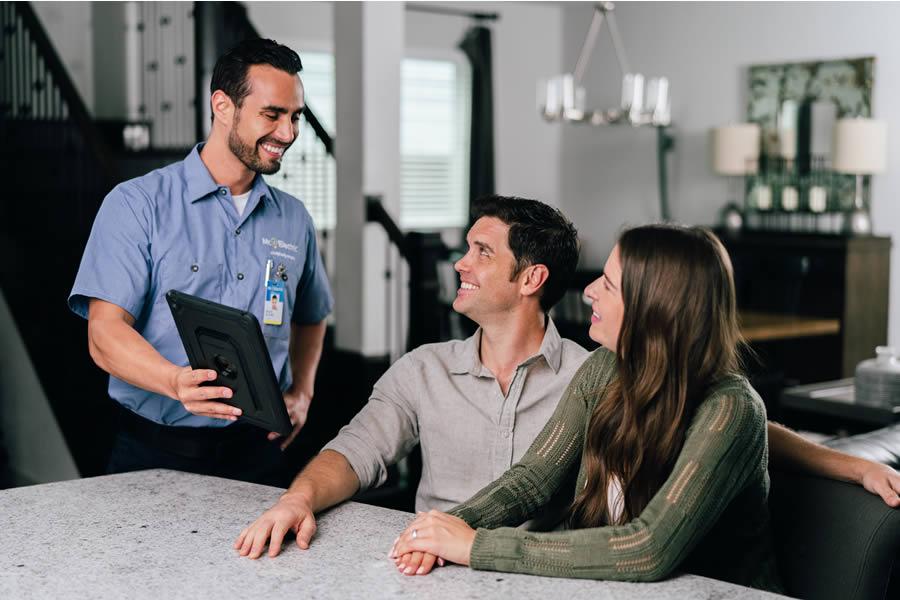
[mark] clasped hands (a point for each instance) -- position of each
(432, 537)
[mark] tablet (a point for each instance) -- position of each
(230, 342)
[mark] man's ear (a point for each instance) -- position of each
(222, 108)
(534, 278)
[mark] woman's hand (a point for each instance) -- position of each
(435, 533)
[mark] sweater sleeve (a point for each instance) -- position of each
(724, 449)
(529, 484)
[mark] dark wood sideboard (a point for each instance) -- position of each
(807, 281)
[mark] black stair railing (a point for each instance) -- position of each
(428, 316)
(56, 170)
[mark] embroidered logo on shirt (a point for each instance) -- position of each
(275, 243)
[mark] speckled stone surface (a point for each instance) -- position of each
(164, 534)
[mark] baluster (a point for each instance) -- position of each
(7, 58)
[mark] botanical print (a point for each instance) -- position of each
(776, 91)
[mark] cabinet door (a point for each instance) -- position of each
(866, 299)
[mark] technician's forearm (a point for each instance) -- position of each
(121, 351)
(305, 353)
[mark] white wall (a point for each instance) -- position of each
(609, 175)
(289, 21)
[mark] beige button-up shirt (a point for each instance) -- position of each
(440, 395)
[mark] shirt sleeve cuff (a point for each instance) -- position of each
(466, 514)
(313, 317)
(80, 300)
(497, 550)
(482, 555)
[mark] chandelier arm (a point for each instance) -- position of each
(618, 46)
(588, 47)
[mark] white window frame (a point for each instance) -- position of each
(458, 215)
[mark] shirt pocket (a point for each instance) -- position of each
(197, 276)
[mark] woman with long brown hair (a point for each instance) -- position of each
(671, 439)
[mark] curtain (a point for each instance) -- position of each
(476, 44)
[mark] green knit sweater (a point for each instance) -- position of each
(709, 518)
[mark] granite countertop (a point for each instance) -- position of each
(165, 534)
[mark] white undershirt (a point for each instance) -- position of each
(614, 499)
(240, 202)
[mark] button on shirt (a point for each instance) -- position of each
(175, 228)
(442, 396)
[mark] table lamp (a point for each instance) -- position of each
(860, 148)
(735, 153)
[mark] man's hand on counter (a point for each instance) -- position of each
(291, 513)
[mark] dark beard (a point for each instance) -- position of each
(249, 154)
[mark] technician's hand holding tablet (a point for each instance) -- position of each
(187, 386)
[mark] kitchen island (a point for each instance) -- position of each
(165, 534)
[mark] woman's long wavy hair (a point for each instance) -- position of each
(679, 335)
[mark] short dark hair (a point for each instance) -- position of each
(230, 72)
(538, 234)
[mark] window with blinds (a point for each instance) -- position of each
(434, 144)
(307, 171)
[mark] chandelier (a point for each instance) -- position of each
(643, 102)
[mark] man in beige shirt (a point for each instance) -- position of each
(476, 405)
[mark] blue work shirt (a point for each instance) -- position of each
(175, 228)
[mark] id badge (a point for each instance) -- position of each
(272, 315)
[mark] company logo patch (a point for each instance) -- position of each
(276, 244)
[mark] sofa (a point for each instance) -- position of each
(835, 540)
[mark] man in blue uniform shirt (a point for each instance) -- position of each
(209, 226)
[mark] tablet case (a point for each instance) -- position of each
(230, 342)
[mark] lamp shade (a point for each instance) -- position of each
(736, 149)
(860, 146)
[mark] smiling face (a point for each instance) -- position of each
(268, 120)
(607, 307)
(485, 272)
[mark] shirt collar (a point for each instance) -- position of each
(200, 183)
(469, 360)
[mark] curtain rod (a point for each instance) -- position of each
(453, 12)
